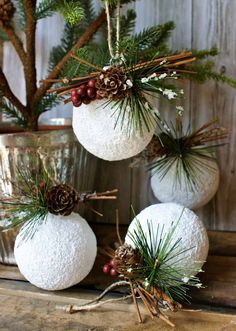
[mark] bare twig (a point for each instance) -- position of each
(29, 67)
(88, 64)
(95, 305)
(136, 303)
(16, 42)
(118, 228)
(6, 90)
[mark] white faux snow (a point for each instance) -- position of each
(169, 189)
(60, 254)
(190, 229)
(96, 129)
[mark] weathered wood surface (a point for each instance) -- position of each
(28, 308)
(219, 276)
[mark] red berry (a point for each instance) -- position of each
(112, 263)
(75, 99)
(82, 91)
(91, 93)
(86, 100)
(41, 184)
(91, 83)
(113, 272)
(77, 104)
(74, 93)
(106, 269)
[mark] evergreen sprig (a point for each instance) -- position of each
(188, 153)
(71, 10)
(160, 252)
(46, 8)
(28, 205)
(12, 112)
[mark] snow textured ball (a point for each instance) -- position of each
(170, 189)
(194, 243)
(60, 254)
(96, 129)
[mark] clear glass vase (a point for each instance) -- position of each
(61, 154)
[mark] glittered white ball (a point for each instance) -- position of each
(171, 189)
(190, 229)
(60, 254)
(96, 129)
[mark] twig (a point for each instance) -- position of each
(84, 39)
(118, 228)
(29, 67)
(88, 64)
(6, 90)
(109, 30)
(89, 306)
(146, 304)
(136, 303)
(16, 42)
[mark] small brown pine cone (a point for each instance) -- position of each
(126, 259)
(61, 200)
(113, 83)
(7, 11)
(157, 147)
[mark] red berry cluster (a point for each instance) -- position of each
(85, 93)
(110, 268)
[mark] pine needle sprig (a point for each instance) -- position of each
(189, 152)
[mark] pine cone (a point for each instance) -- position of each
(7, 11)
(61, 199)
(158, 147)
(113, 83)
(126, 259)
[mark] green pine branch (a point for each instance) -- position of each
(45, 9)
(12, 112)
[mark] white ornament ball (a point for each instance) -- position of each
(96, 129)
(60, 254)
(170, 188)
(194, 239)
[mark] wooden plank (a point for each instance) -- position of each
(214, 24)
(222, 243)
(151, 13)
(27, 308)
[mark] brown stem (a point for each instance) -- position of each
(16, 42)
(84, 39)
(29, 68)
(86, 63)
(7, 92)
(118, 227)
(135, 303)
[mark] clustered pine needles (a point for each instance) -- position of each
(188, 152)
(37, 194)
(150, 269)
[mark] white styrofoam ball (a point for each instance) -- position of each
(96, 129)
(60, 254)
(194, 239)
(170, 188)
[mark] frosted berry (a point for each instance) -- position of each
(91, 83)
(86, 100)
(91, 93)
(75, 99)
(112, 264)
(106, 268)
(74, 93)
(82, 90)
(78, 103)
(113, 272)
